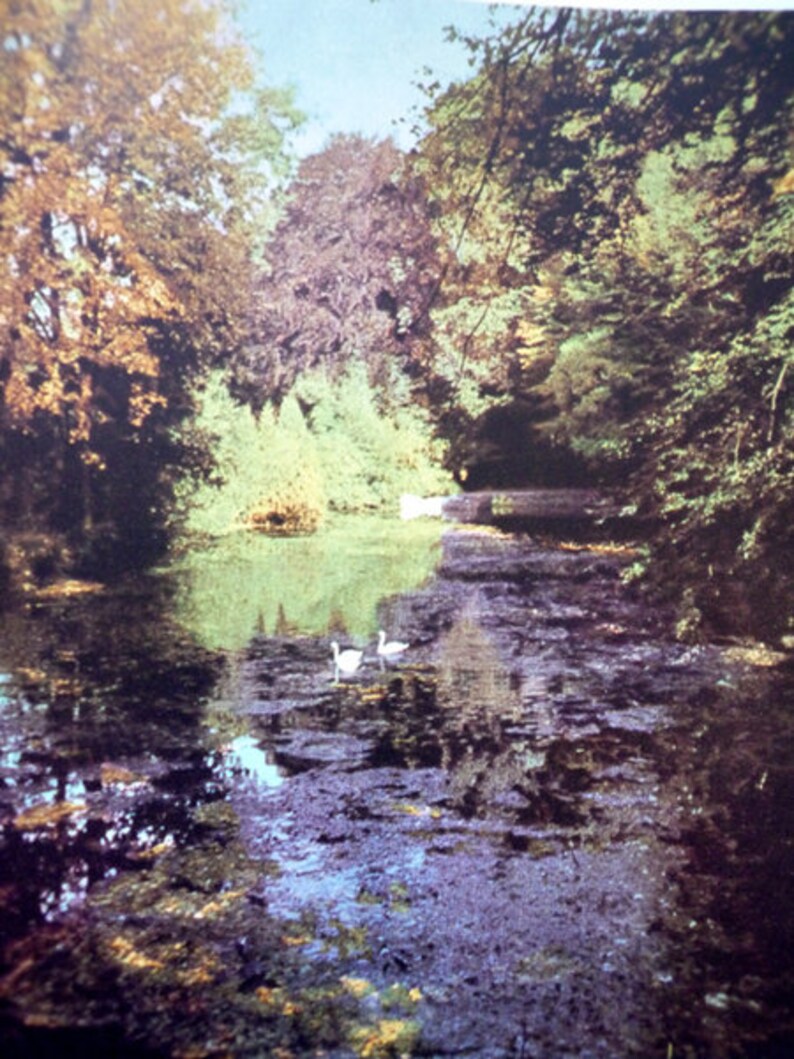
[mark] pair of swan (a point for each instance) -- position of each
(349, 660)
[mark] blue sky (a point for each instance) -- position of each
(354, 63)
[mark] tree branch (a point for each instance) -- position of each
(770, 434)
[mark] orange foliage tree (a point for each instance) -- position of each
(135, 153)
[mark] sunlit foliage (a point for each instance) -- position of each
(260, 464)
(332, 445)
(621, 184)
(136, 148)
(372, 448)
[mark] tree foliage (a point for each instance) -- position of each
(371, 450)
(622, 182)
(134, 152)
(351, 269)
(265, 468)
(330, 448)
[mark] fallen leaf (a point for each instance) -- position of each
(756, 655)
(67, 588)
(126, 953)
(357, 987)
(40, 816)
(296, 939)
(117, 774)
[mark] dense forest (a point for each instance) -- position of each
(580, 274)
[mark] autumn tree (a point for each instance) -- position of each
(351, 271)
(135, 153)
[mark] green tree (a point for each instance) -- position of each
(625, 180)
(266, 472)
(371, 448)
(332, 446)
(135, 153)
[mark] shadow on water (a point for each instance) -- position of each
(91, 682)
(544, 831)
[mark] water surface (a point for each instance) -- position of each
(335, 580)
(549, 830)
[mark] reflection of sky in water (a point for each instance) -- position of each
(246, 755)
(308, 877)
(11, 758)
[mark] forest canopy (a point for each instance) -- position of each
(582, 270)
(617, 190)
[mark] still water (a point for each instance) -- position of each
(547, 830)
(335, 581)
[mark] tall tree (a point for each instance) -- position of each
(134, 152)
(352, 264)
(642, 170)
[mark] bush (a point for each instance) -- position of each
(265, 472)
(373, 445)
(339, 445)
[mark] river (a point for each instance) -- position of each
(547, 830)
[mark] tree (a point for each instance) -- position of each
(134, 154)
(280, 471)
(641, 169)
(352, 266)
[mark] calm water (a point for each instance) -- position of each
(337, 581)
(548, 830)
(138, 673)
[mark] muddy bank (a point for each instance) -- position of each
(546, 831)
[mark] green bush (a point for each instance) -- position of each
(341, 445)
(373, 445)
(266, 473)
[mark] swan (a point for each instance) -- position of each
(392, 648)
(346, 661)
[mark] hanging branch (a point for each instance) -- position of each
(770, 434)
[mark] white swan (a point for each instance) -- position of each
(392, 648)
(346, 661)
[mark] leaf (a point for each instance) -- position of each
(42, 816)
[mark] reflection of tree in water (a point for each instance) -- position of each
(539, 718)
(488, 765)
(734, 787)
(92, 680)
(485, 727)
(473, 685)
(332, 581)
(459, 718)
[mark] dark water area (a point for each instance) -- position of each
(545, 830)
